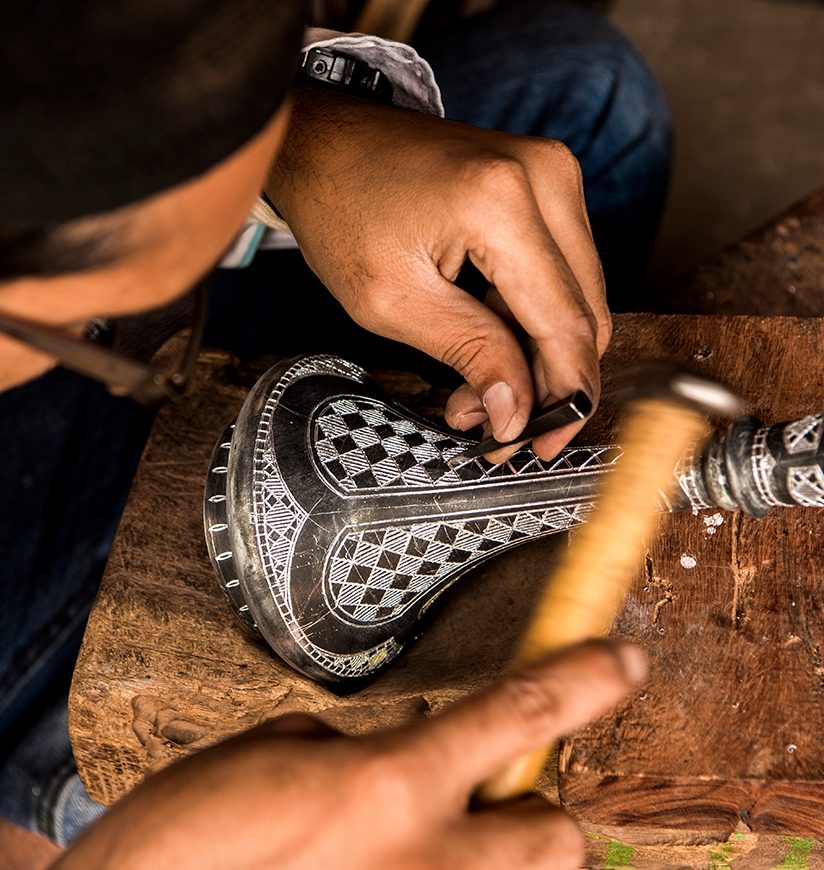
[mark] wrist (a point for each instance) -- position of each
(319, 143)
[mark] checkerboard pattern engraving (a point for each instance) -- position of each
(364, 444)
(373, 570)
(374, 575)
(336, 580)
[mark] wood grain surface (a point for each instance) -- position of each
(728, 728)
(734, 641)
(165, 667)
(777, 270)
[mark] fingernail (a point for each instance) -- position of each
(499, 401)
(470, 420)
(634, 662)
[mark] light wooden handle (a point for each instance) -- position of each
(589, 586)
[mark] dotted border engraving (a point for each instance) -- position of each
(218, 540)
(277, 519)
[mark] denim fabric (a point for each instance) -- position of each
(71, 453)
(70, 450)
(39, 785)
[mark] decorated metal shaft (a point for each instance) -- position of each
(334, 516)
(754, 468)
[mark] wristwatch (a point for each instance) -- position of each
(342, 72)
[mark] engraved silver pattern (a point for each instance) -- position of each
(278, 518)
(218, 538)
(334, 517)
(806, 485)
(763, 467)
(374, 575)
(362, 444)
(685, 473)
(804, 436)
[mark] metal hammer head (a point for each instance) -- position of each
(671, 381)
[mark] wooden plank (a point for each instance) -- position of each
(728, 729)
(165, 668)
(777, 270)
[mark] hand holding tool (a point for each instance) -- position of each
(577, 406)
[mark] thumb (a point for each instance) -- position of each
(457, 329)
(480, 735)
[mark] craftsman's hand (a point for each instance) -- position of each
(295, 794)
(387, 204)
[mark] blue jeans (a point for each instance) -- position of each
(71, 453)
(70, 450)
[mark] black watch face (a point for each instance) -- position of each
(335, 69)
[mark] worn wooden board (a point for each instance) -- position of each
(777, 270)
(165, 667)
(728, 729)
(165, 670)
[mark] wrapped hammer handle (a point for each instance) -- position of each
(588, 589)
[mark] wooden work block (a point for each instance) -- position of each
(731, 612)
(166, 668)
(733, 639)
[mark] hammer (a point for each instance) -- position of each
(666, 408)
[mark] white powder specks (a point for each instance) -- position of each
(713, 522)
(688, 561)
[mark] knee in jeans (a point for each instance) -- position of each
(635, 112)
(604, 96)
(619, 106)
